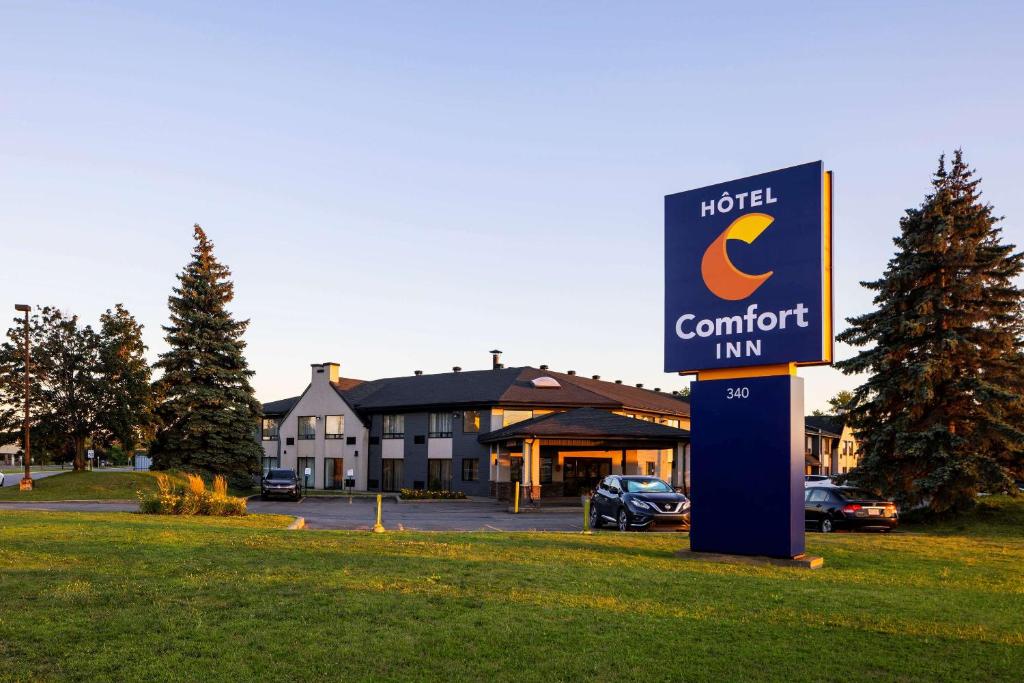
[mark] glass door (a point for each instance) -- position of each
(439, 474)
(304, 465)
(334, 473)
(391, 474)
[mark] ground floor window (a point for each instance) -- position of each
(471, 469)
(439, 474)
(650, 468)
(306, 469)
(270, 463)
(515, 469)
(391, 474)
(334, 473)
(546, 468)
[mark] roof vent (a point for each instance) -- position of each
(595, 377)
(545, 383)
(456, 369)
(639, 385)
(675, 393)
(618, 381)
(571, 372)
(658, 389)
(543, 367)
(417, 372)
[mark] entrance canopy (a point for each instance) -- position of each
(590, 424)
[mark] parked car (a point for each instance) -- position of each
(635, 503)
(841, 507)
(1, 478)
(282, 484)
(818, 480)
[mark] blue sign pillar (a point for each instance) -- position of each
(747, 460)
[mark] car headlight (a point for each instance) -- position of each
(640, 505)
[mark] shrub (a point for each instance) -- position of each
(191, 499)
(418, 494)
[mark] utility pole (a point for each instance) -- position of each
(26, 482)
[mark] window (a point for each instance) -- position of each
(809, 442)
(513, 416)
(547, 466)
(394, 426)
(271, 425)
(471, 469)
(650, 468)
(671, 422)
(440, 425)
(645, 418)
(307, 427)
(335, 427)
(471, 421)
(270, 463)
(439, 474)
(818, 494)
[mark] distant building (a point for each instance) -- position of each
(831, 447)
(10, 455)
(480, 432)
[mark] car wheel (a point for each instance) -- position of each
(623, 520)
(595, 519)
(826, 526)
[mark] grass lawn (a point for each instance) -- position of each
(85, 486)
(126, 597)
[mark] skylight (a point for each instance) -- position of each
(545, 383)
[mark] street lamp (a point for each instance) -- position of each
(26, 482)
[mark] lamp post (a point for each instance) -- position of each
(26, 482)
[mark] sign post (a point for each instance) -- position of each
(748, 298)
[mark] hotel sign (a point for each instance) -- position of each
(748, 272)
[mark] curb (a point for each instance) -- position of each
(299, 523)
(76, 501)
(417, 501)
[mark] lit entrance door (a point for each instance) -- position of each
(334, 473)
(583, 474)
(391, 474)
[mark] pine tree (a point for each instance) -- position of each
(126, 411)
(208, 412)
(939, 416)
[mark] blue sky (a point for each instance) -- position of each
(403, 186)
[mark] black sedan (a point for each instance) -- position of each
(635, 503)
(827, 508)
(281, 484)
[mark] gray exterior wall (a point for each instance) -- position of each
(415, 455)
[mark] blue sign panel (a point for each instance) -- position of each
(748, 272)
(747, 466)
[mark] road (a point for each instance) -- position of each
(12, 478)
(360, 513)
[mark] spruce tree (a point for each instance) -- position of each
(208, 413)
(126, 409)
(939, 415)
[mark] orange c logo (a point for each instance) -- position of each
(725, 280)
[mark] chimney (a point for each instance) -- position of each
(496, 359)
(595, 377)
(544, 367)
(325, 372)
(417, 372)
(456, 369)
(571, 372)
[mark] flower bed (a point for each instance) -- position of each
(420, 494)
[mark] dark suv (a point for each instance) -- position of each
(635, 503)
(281, 483)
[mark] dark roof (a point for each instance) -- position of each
(826, 425)
(507, 387)
(280, 407)
(586, 423)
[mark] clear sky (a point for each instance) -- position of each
(403, 186)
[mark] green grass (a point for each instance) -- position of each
(85, 486)
(126, 597)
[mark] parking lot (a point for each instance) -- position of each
(358, 512)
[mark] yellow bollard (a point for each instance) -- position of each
(586, 518)
(378, 528)
(516, 508)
